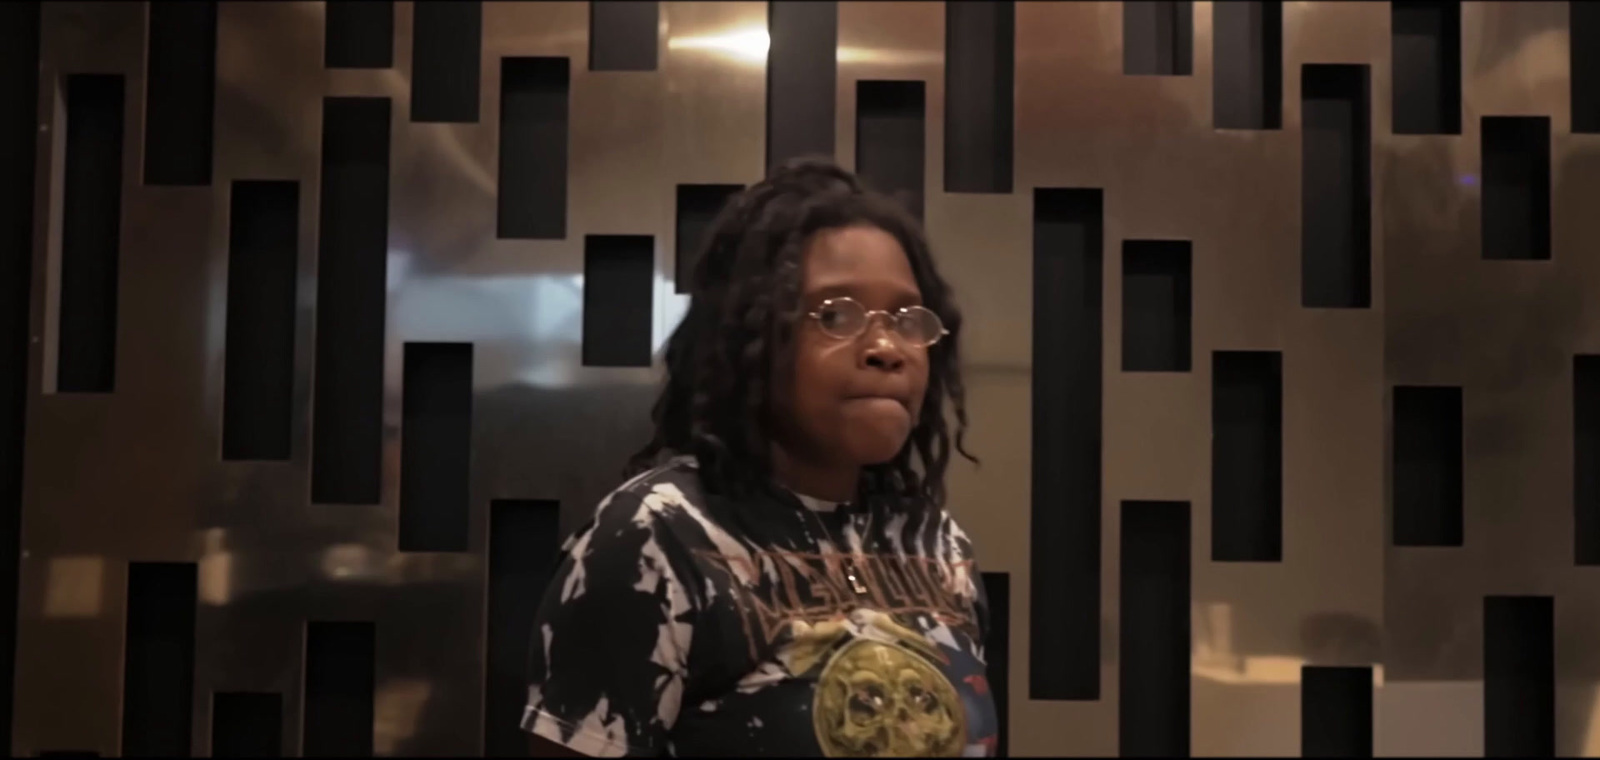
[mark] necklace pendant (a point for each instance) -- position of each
(855, 583)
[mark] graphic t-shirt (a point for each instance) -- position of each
(795, 629)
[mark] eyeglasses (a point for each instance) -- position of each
(847, 319)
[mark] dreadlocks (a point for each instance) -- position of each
(722, 359)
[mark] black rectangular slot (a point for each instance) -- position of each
(623, 35)
(1583, 24)
(532, 203)
(1586, 458)
(258, 375)
(1427, 466)
(352, 251)
(1335, 187)
(1064, 587)
(980, 96)
(1153, 654)
(890, 139)
(1519, 676)
(997, 654)
(358, 34)
(19, 133)
(1246, 456)
(67, 753)
(1155, 306)
(91, 234)
(1335, 711)
(524, 543)
(1247, 65)
(435, 447)
(1426, 66)
(1516, 187)
(1158, 37)
(158, 663)
(246, 724)
(618, 294)
(339, 680)
(697, 209)
(445, 41)
(180, 88)
(802, 71)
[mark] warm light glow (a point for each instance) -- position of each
(748, 44)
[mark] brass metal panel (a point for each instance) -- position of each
(136, 475)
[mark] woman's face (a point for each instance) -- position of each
(853, 403)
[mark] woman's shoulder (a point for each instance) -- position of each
(664, 495)
(941, 536)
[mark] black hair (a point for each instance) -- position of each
(744, 305)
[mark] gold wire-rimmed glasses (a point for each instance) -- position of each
(845, 318)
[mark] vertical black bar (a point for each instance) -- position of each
(997, 654)
(890, 139)
(697, 209)
(1519, 676)
(1247, 65)
(91, 234)
(1586, 459)
(358, 34)
(347, 407)
(1516, 187)
(802, 70)
(1155, 306)
(524, 541)
(980, 95)
(618, 300)
(1246, 456)
(532, 203)
(446, 38)
(180, 87)
(1158, 37)
(158, 663)
(1427, 466)
(1583, 23)
(623, 35)
(258, 378)
(1335, 711)
(435, 447)
(246, 724)
(19, 85)
(1153, 655)
(1064, 587)
(1426, 59)
(1335, 185)
(339, 680)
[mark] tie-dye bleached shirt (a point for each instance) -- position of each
(666, 631)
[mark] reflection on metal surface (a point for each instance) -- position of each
(396, 706)
(137, 476)
(74, 587)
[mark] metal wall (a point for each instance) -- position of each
(136, 475)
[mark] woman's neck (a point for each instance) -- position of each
(829, 482)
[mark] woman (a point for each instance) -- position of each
(782, 578)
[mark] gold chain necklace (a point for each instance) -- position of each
(846, 560)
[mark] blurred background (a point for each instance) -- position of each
(321, 324)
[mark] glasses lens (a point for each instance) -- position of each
(919, 326)
(841, 317)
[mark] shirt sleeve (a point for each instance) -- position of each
(609, 655)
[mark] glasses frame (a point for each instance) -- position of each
(872, 314)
